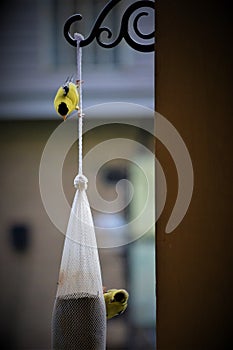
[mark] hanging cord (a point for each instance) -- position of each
(78, 37)
(80, 181)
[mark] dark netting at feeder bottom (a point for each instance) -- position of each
(73, 330)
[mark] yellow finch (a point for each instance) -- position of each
(67, 99)
(115, 301)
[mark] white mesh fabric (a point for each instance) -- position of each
(80, 268)
(79, 317)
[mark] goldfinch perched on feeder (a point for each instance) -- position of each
(67, 98)
(115, 301)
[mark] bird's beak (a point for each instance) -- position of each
(64, 117)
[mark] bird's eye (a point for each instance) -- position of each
(62, 109)
(120, 296)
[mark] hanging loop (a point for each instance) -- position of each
(124, 32)
(71, 40)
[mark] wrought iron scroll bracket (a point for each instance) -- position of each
(124, 33)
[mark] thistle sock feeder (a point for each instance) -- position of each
(79, 314)
(79, 319)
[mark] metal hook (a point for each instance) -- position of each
(97, 30)
(67, 35)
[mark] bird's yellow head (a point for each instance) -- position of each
(120, 296)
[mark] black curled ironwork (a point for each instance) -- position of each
(97, 30)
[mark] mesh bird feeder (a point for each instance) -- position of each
(79, 319)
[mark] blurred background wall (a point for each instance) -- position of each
(35, 61)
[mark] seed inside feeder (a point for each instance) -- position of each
(78, 322)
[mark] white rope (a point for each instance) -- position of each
(78, 37)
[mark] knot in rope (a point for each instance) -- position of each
(80, 182)
(78, 37)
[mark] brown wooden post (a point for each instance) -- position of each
(194, 91)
